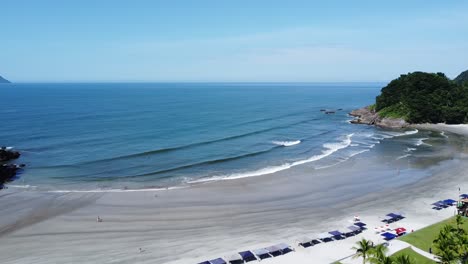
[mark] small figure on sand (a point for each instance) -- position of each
(99, 219)
(141, 250)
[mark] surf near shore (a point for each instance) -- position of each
(461, 129)
(214, 219)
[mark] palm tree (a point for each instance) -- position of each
(363, 249)
(403, 259)
(382, 260)
(377, 255)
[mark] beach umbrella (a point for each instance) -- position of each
(400, 230)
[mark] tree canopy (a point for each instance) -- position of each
(462, 78)
(421, 97)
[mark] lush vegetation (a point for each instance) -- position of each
(369, 253)
(462, 78)
(421, 97)
(451, 244)
(413, 255)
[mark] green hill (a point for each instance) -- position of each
(421, 97)
(3, 80)
(462, 78)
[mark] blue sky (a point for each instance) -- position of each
(303, 41)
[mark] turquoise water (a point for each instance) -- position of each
(115, 135)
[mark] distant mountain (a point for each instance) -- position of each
(3, 80)
(463, 77)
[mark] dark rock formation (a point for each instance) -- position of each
(8, 154)
(368, 116)
(8, 173)
(3, 80)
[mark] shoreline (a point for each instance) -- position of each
(460, 129)
(211, 220)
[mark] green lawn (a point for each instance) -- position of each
(415, 256)
(423, 238)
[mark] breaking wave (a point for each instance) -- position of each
(420, 141)
(329, 148)
(404, 156)
(286, 143)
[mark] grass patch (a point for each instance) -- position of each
(423, 238)
(417, 258)
(394, 111)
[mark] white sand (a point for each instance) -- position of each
(212, 220)
(461, 129)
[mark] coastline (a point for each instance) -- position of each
(460, 129)
(212, 220)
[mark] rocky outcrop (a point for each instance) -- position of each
(8, 173)
(7, 154)
(369, 116)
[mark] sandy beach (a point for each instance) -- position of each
(215, 219)
(461, 129)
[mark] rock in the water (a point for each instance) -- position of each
(8, 173)
(8, 154)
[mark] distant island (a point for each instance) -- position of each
(416, 98)
(3, 80)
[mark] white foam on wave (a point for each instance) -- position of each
(420, 141)
(411, 132)
(118, 190)
(330, 148)
(27, 186)
(342, 160)
(357, 153)
(443, 134)
(287, 143)
(392, 134)
(370, 144)
(404, 156)
(410, 149)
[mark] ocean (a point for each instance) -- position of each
(113, 136)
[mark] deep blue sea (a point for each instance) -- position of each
(139, 135)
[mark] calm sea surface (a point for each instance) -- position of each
(116, 135)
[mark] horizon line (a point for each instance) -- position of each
(195, 82)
